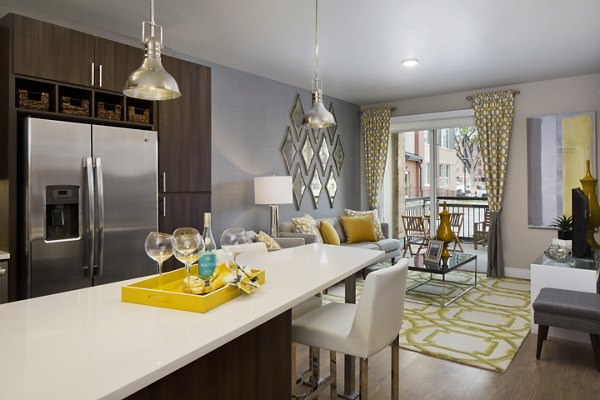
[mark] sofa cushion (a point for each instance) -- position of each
(306, 224)
(363, 245)
(337, 225)
(329, 233)
(268, 241)
(388, 245)
(375, 221)
(359, 229)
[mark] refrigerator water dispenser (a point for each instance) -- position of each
(62, 212)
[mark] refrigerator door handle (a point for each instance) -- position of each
(89, 174)
(100, 229)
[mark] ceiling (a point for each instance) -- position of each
(461, 44)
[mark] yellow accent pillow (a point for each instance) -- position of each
(376, 222)
(330, 236)
(307, 225)
(359, 229)
(268, 241)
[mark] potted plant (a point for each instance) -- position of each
(565, 227)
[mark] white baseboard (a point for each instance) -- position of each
(520, 273)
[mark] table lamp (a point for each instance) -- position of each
(273, 190)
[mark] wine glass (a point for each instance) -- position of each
(159, 247)
(234, 241)
(188, 248)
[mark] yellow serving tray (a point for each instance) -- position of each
(171, 294)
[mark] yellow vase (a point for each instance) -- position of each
(444, 231)
(588, 184)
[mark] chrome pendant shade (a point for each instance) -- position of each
(317, 117)
(151, 81)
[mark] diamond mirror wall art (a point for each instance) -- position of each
(288, 150)
(338, 155)
(298, 186)
(316, 187)
(308, 153)
(332, 129)
(324, 154)
(297, 115)
(331, 187)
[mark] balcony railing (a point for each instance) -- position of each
(472, 208)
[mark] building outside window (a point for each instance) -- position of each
(426, 171)
(444, 175)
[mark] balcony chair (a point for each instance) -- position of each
(456, 222)
(359, 330)
(416, 234)
(481, 230)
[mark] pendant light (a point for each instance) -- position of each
(151, 81)
(317, 117)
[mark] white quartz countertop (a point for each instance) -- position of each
(4, 255)
(87, 344)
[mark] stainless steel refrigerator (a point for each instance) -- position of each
(91, 197)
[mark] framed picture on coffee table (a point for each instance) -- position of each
(434, 251)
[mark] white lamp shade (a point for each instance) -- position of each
(273, 190)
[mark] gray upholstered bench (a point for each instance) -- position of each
(568, 309)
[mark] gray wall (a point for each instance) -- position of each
(250, 119)
(250, 116)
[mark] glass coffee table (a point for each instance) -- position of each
(456, 260)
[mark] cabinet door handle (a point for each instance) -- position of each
(2, 271)
(100, 77)
(164, 181)
(164, 206)
(93, 72)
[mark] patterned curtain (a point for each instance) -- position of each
(375, 127)
(494, 117)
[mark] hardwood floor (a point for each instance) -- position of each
(566, 370)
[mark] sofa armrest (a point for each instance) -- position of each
(308, 239)
(287, 242)
(385, 228)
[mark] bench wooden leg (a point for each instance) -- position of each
(542, 335)
(596, 347)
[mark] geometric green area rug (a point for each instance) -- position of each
(484, 328)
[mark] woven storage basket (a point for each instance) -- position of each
(31, 100)
(135, 114)
(108, 111)
(73, 106)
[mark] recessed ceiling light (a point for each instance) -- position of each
(410, 62)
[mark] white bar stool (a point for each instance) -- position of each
(359, 330)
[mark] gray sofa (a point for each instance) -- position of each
(284, 242)
(390, 246)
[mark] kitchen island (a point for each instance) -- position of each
(87, 344)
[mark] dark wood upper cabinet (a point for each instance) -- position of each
(184, 127)
(115, 62)
(52, 52)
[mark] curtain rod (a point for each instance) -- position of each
(392, 109)
(515, 92)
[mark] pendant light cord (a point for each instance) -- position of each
(152, 23)
(316, 39)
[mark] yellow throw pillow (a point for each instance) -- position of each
(330, 236)
(268, 241)
(376, 222)
(359, 229)
(307, 225)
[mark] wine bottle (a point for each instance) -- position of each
(208, 262)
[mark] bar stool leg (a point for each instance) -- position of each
(364, 378)
(395, 368)
(333, 374)
(314, 366)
